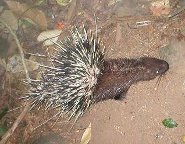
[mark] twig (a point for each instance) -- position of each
(27, 107)
(47, 121)
(118, 34)
(16, 123)
(140, 24)
(176, 12)
(19, 47)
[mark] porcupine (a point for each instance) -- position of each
(80, 76)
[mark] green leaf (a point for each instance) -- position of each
(3, 129)
(3, 112)
(23, 10)
(169, 122)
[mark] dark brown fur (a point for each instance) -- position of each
(119, 74)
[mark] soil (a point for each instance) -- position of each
(137, 119)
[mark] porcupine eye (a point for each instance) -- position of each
(150, 74)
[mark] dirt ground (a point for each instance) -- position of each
(137, 119)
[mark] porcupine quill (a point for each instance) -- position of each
(80, 76)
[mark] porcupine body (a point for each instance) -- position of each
(79, 76)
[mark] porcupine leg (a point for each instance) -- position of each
(114, 91)
(121, 95)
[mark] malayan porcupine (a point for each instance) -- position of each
(79, 76)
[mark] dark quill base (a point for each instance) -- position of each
(119, 74)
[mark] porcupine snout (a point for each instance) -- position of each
(164, 66)
(153, 67)
(161, 67)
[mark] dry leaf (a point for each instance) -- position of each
(63, 2)
(183, 139)
(112, 2)
(49, 37)
(10, 19)
(24, 11)
(86, 135)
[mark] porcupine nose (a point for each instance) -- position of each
(164, 66)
